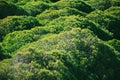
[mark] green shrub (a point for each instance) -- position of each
(109, 19)
(115, 3)
(105, 64)
(6, 69)
(115, 43)
(49, 15)
(36, 7)
(7, 9)
(23, 2)
(68, 22)
(72, 55)
(103, 4)
(68, 46)
(98, 17)
(77, 4)
(15, 23)
(105, 18)
(13, 41)
(2, 55)
(114, 10)
(114, 18)
(60, 53)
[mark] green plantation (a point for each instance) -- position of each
(59, 40)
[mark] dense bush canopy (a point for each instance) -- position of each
(7, 9)
(15, 23)
(49, 15)
(34, 8)
(59, 40)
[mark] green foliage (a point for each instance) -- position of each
(2, 55)
(77, 4)
(114, 18)
(7, 9)
(73, 55)
(115, 43)
(15, 23)
(109, 19)
(17, 39)
(103, 4)
(36, 7)
(59, 53)
(68, 22)
(105, 64)
(49, 15)
(114, 10)
(23, 2)
(5, 70)
(115, 3)
(78, 40)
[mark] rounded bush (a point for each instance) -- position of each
(49, 15)
(36, 7)
(77, 4)
(15, 23)
(108, 19)
(68, 22)
(8, 9)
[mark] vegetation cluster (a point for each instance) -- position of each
(59, 39)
